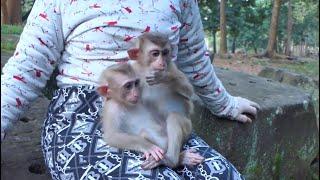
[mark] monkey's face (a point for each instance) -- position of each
(157, 58)
(128, 92)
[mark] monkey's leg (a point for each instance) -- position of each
(178, 128)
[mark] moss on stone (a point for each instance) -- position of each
(253, 170)
(276, 166)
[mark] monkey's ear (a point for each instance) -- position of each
(103, 90)
(133, 53)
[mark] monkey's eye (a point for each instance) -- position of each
(165, 52)
(128, 86)
(155, 53)
(136, 83)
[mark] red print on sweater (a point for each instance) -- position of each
(128, 38)
(111, 23)
(44, 16)
(95, 6)
(42, 42)
(19, 78)
(146, 30)
(18, 102)
(172, 8)
(38, 72)
(128, 9)
(198, 76)
(98, 29)
(217, 91)
(88, 48)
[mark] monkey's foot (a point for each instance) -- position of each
(190, 158)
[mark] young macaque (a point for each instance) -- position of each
(126, 122)
(167, 93)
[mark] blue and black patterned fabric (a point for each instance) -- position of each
(73, 147)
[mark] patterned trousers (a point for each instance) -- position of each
(73, 147)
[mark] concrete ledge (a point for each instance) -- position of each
(282, 142)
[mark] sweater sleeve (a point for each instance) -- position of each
(194, 61)
(26, 72)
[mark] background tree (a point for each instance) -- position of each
(235, 12)
(14, 11)
(4, 12)
(273, 29)
(209, 10)
(289, 30)
(223, 29)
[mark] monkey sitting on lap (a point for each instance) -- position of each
(167, 94)
(126, 122)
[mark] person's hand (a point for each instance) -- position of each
(247, 110)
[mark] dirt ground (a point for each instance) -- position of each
(239, 65)
(254, 65)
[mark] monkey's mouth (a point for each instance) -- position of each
(134, 101)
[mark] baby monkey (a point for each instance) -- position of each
(125, 121)
(166, 92)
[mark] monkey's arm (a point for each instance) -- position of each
(179, 82)
(173, 78)
(115, 137)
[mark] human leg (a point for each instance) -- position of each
(215, 166)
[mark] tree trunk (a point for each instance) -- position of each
(4, 12)
(273, 29)
(233, 49)
(223, 29)
(14, 11)
(301, 47)
(289, 30)
(214, 42)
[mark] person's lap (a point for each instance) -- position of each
(74, 149)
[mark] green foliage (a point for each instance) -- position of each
(209, 10)
(11, 29)
(309, 68)
(248, 22)
(306, 22)
(8, 46)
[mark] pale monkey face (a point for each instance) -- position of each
(157, 57)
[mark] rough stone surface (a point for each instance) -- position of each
(282, 142)
(21, 155)
(4, 57)
(284, 76)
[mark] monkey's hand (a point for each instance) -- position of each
(151, 163)
(157, 77)
(247, 110)
(154, 151)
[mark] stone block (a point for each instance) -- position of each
(287, 77)
(281, 142)
(21, 155)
